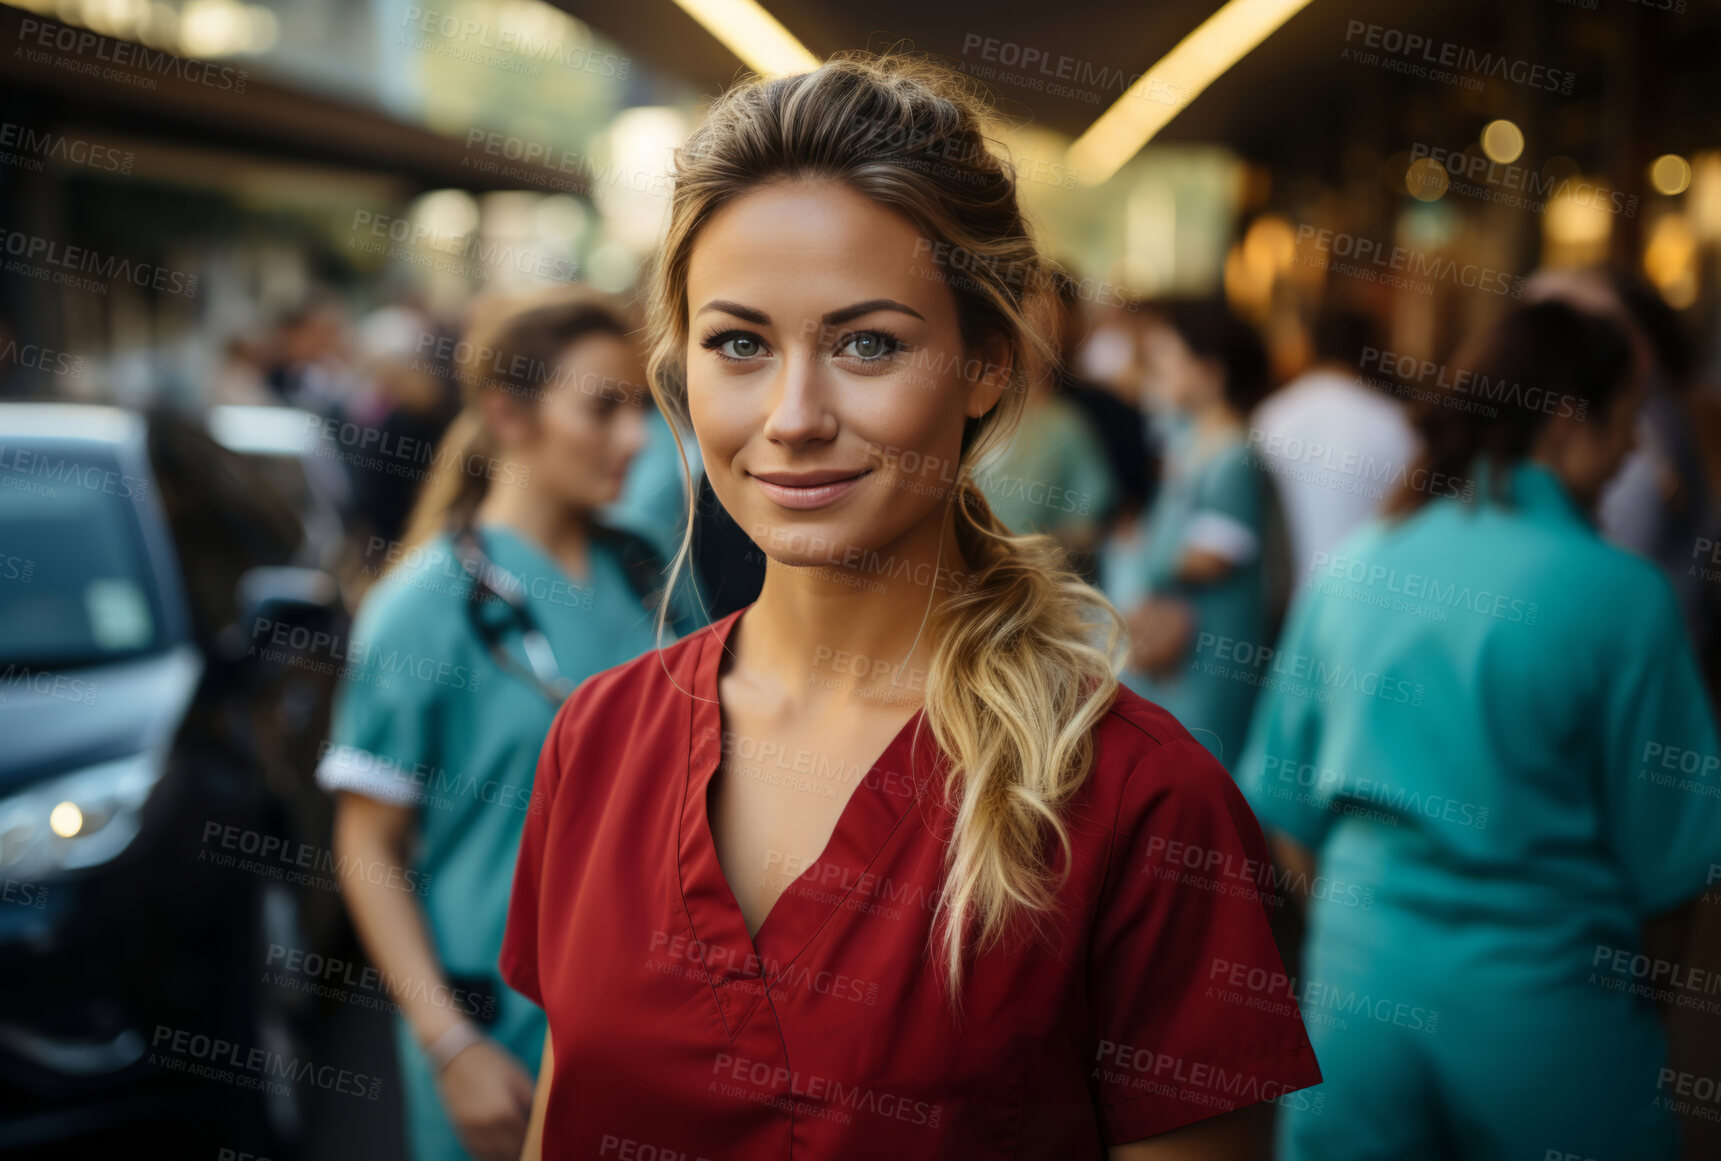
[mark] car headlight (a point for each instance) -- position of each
(77, 820)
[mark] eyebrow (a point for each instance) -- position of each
(834, 318)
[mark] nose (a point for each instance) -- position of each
(800, 403)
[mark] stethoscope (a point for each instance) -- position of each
(545, 675)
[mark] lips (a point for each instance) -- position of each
(808, 479)
(809, 489)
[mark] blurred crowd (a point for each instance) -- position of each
(1412, 605)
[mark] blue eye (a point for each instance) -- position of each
(735, 346)
(870, 346)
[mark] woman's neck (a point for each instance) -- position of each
(561, 530)
(855, 628)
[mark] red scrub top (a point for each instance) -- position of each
(1155, 998)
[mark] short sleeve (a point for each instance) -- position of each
(1193, 1012)
(1663, 773)
(1226, 520)
(383, 739)
(518, 960)
(1284, 740)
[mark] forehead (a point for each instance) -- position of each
(813, 242)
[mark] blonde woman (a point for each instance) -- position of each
(505, 595)
(885, 864)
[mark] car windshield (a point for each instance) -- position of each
(75, 582)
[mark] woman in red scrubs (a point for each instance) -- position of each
(886, 864)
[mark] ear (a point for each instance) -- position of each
(997, 370)
(506, 418)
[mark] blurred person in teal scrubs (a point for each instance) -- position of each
(1198, 582)
(506, 593)
(1055, 475)
(1487, 761)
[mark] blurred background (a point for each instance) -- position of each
(240, 243)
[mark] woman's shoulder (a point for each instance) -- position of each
(636, 695)
(1146, 761)
(422, 592)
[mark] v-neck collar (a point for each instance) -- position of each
(739, 967)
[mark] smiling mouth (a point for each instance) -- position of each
(808, 489)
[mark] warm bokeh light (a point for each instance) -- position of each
(1181, 75)
(1670, 260)
(753, 34)
(1670, 174)
(1425, 179)
(1502, 141)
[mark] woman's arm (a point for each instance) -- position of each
(1201, 567)
(485, 1091)
(1233, 1136)
(534, 1150)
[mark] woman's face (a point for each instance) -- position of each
(588, 425)
(1176, 379)
(827, 381)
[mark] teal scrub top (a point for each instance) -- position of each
(1491, 722)
(1053, 475)
(1205, 481)
(425, 718)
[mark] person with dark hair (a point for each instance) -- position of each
(1199, 576)
(1054, 475)
(1334, 443)
(1483, 740)
(507, 592)
(1661, 503)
